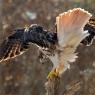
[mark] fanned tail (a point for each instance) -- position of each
(70, 27)
(70, 33)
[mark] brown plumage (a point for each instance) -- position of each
(48, 42)
(17, 43)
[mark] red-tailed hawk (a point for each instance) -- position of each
(73, 28)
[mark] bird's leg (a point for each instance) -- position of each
(53, 83)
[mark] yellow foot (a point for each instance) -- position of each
(53, 74)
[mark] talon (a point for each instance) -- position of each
(53, 74)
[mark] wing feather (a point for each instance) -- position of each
(90, 26)
(19, 41)
(10, 48)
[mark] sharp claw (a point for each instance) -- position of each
(53, 74)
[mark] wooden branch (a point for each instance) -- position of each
(52, 85)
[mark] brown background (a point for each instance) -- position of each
(25, 75)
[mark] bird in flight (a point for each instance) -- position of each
(73, 27)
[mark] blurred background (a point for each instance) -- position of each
(26, 75)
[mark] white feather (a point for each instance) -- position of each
(70, 33)
(70, 27)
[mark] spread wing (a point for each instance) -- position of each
(17, 43)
